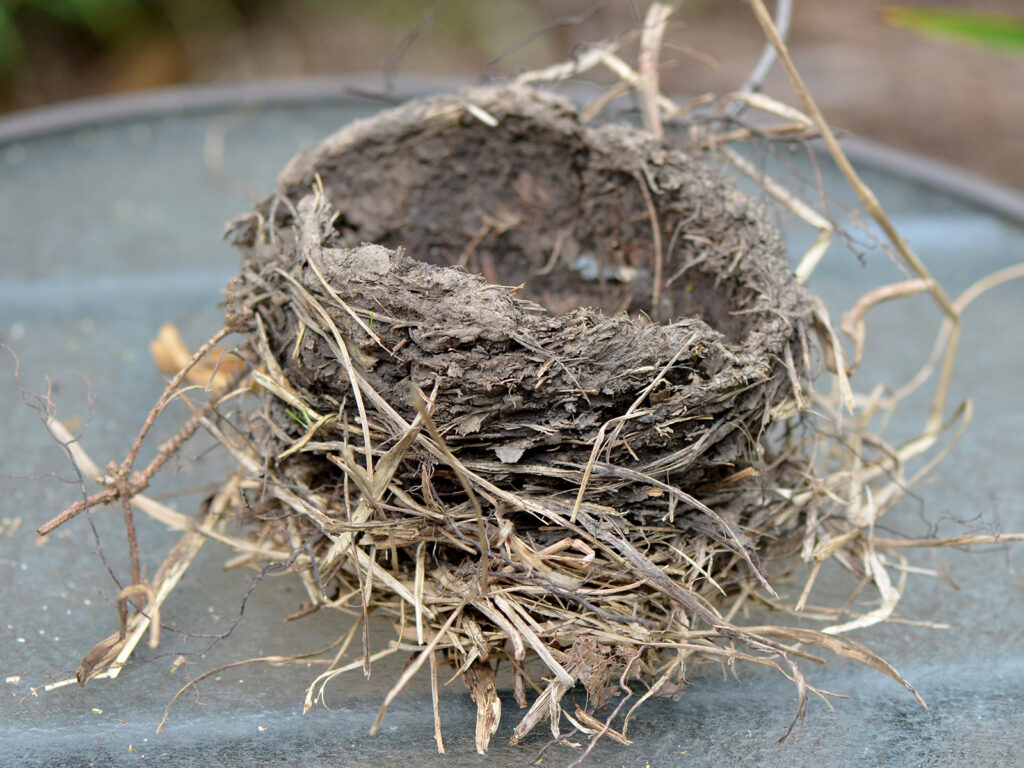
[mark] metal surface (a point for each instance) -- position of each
(111, 229)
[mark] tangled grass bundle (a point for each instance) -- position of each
(580, 470)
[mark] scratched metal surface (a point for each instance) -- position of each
(111, 229)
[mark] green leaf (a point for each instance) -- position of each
(983, 30)
(108, 20)
(303, 419)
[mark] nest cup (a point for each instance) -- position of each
(525, 368)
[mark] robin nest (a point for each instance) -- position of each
(528, 387)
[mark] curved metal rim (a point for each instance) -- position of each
(189, 99)
(34, 123)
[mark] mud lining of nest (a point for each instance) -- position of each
(581, 222)
(520, 376)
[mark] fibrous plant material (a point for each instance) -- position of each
(526, 389)
(530, 388)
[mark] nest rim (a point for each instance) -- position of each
(771, 353)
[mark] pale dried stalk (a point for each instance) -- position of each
(814, 254)
(650, 52)
(872, 206)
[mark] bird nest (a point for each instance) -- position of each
(527, 387)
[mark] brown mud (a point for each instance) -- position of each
(557, 210)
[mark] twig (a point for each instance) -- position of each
(650, 50)
(140, 481)
(659, 256)
(871, 204)
(608, 723)
(951, 541)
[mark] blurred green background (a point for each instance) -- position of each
(895, 75)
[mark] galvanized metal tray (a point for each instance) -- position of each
(111, 213)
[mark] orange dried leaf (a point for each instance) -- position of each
(171, 355)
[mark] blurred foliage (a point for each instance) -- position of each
(1004, 34)
(99, 24)
(107, 20)
(485, 24)
(59, 48)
